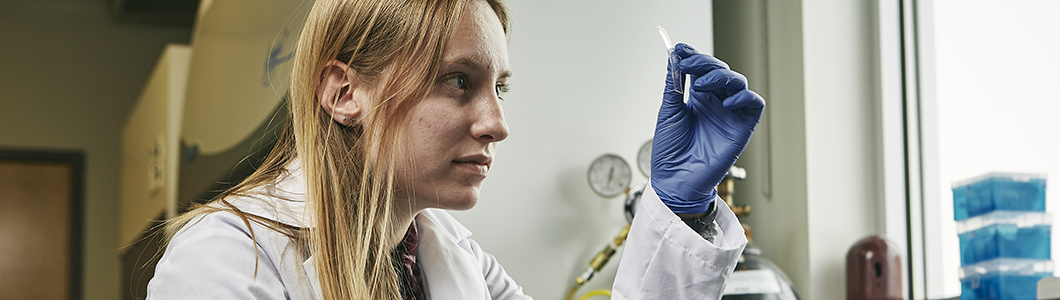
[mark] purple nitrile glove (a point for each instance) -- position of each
(697, 142)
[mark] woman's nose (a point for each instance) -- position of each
(490, 125)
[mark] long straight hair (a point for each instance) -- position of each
(397, 47)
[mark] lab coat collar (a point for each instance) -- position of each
(283, 201)
(450, 267)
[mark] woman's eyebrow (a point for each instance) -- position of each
(464, 60)
(475, 63)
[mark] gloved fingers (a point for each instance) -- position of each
(695, 63)
(684, 50)
(720, 79)
(745, 99)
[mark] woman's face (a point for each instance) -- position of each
(452, 135)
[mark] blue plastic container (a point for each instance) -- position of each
(1004, 279)
(1012, 234)
(998, 191)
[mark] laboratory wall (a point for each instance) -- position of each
(588, 78)
(812, 178)
(69, 76)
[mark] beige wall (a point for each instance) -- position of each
(69, 76)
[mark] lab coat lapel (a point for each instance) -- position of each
(311, 275)
(451, 271)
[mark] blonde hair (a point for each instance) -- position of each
(397, 47)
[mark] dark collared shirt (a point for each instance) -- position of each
(408, 269)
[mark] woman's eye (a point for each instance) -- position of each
(458, 81)
(501, 89)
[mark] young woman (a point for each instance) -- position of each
(395, 116)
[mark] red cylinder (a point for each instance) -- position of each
(874, 270)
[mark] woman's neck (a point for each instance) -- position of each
(400, 222)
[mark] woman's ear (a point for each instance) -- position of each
(340, 92)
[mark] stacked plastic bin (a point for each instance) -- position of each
(1004, 234)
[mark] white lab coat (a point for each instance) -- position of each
(213, 257)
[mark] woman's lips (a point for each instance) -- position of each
(477, 168)
(478, 164)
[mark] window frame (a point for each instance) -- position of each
(907, 139)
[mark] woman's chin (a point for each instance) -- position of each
(463, 203)
(464, 199)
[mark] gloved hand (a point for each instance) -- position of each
(697, 142)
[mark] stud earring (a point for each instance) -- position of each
(351, 120)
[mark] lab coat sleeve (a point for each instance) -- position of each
(665, 259)
(500, 285)
(214, 257)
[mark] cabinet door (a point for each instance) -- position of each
(38, 243)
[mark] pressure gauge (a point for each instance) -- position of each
(644, 158)
(632, 201)
(609, 175)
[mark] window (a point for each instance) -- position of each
(987, 74)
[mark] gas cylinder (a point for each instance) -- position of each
(874, 270)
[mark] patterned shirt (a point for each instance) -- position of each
(407, 268)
